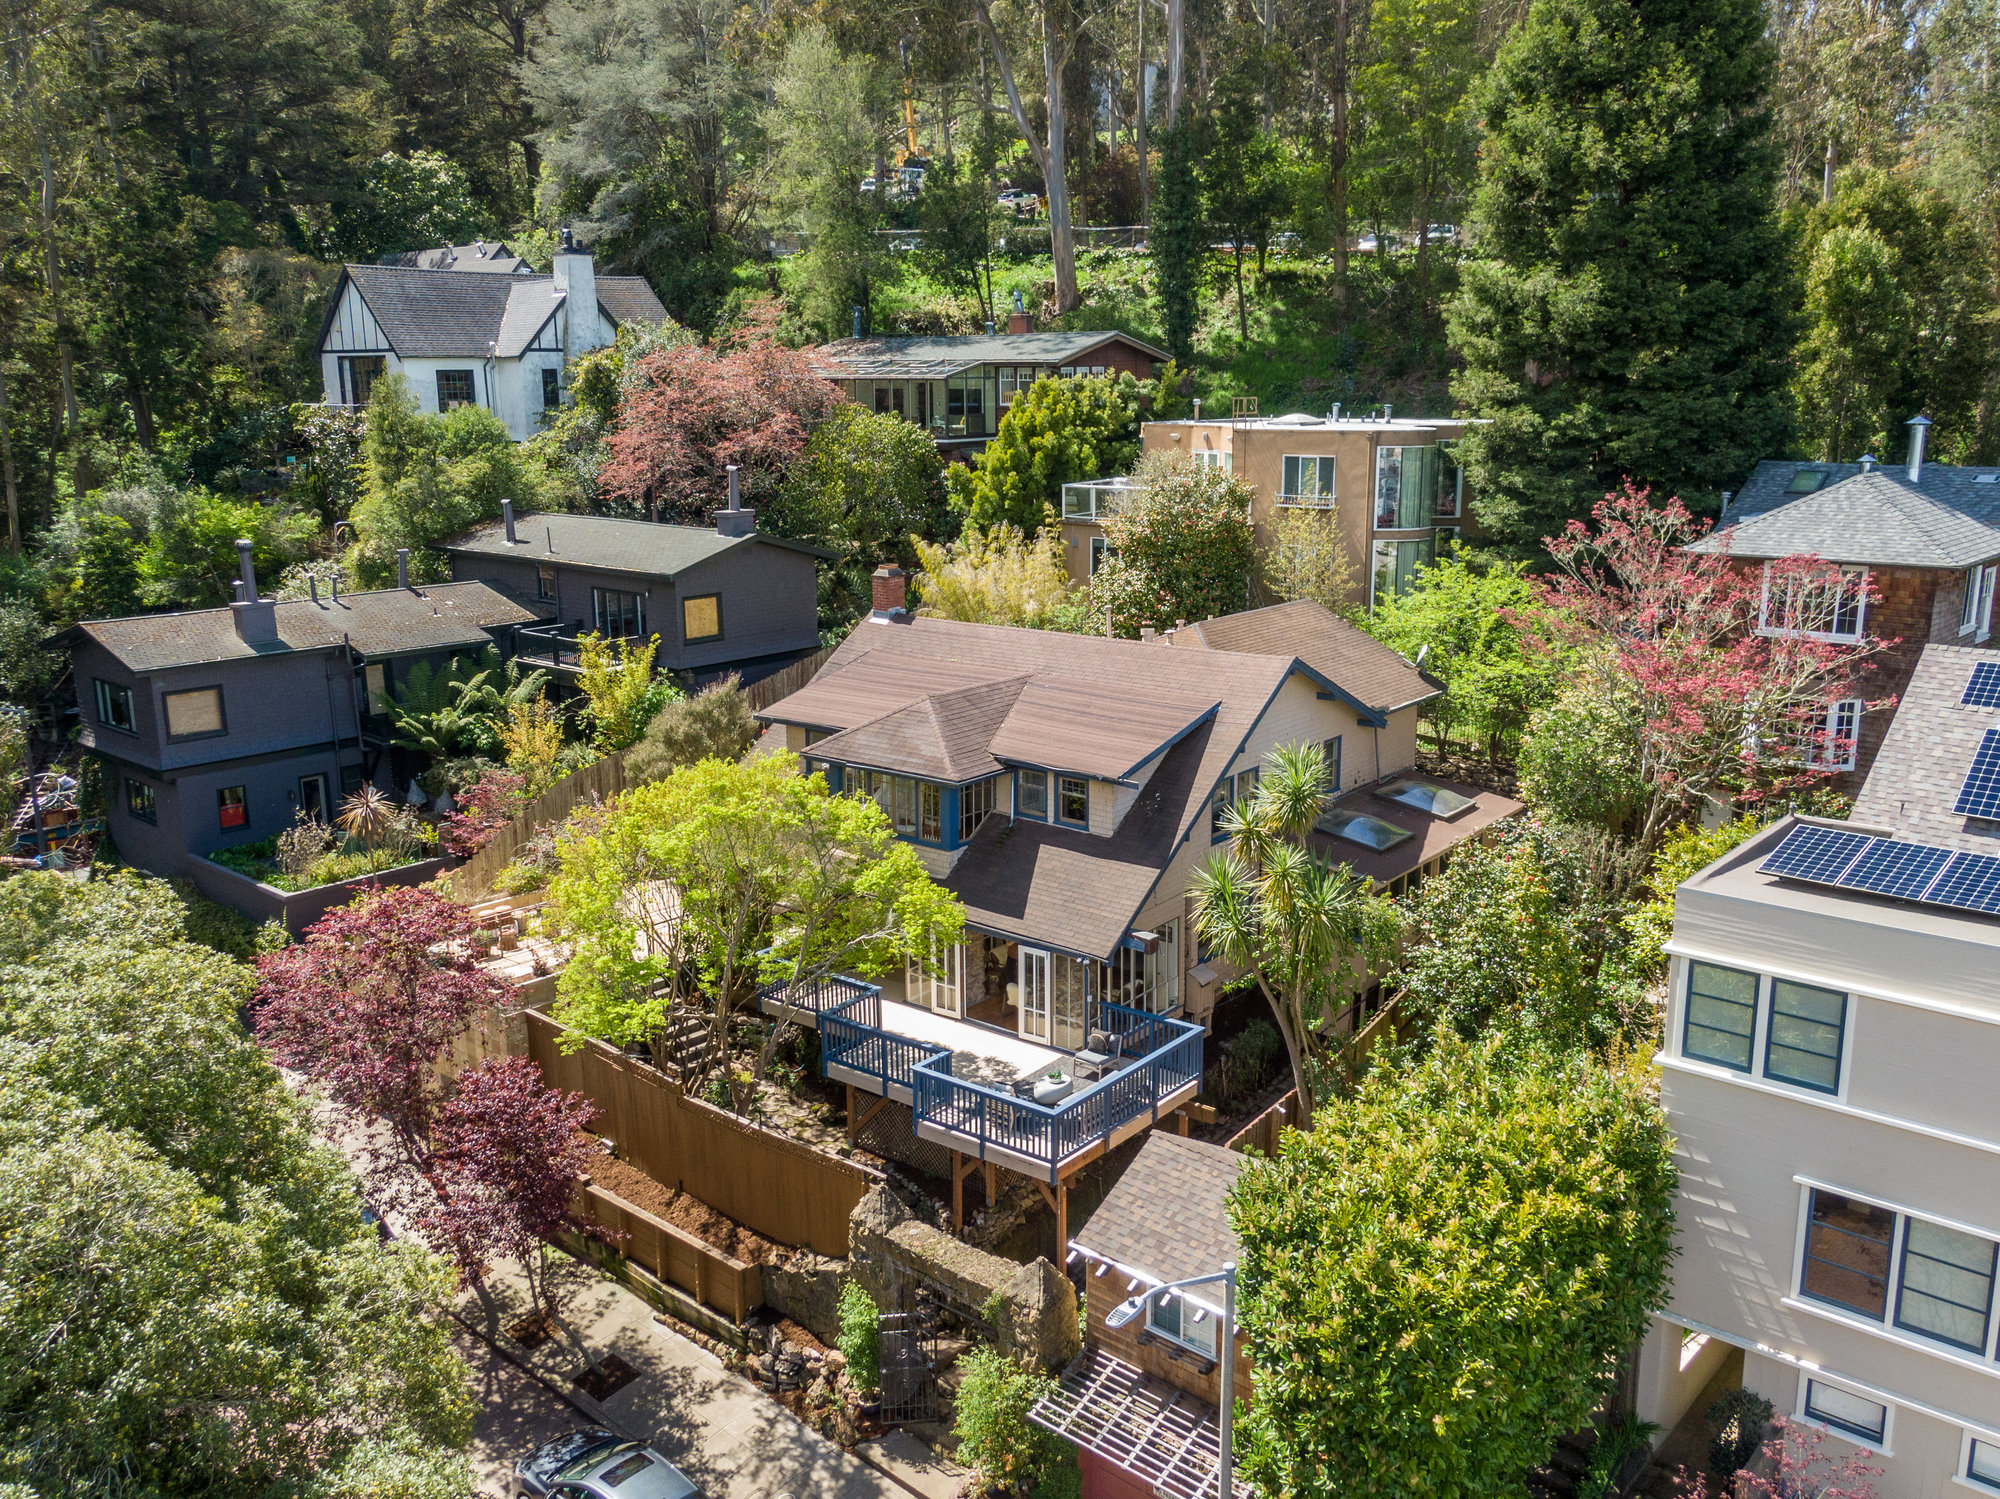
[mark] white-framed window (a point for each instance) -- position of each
(1073, 800)
(1178, 1321)
(1844, 1412)
(1405, 487)
(1819, 612)
(1031, 794)
(1307, 482)
(1100, 548)
(1979, 1462)
(943, 991)
(1976, 616)
(1837, 736)
(1789, 1033)
(1212, 458)
(1892, 1267)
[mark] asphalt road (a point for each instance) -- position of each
(516, 1414)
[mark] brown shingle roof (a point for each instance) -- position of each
(444, 616)
(1365, 670)
(1093, 728)
(943, 737)
(1168, 1216)
(1434, 835)
(1924, 758)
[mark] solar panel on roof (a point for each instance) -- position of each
(1904, 870)
(1818, 854)
(1983, 691)
(1971, 882)
(1980, 795)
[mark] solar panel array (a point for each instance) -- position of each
(1983, 691)
(1980, 795)
(1886, 866)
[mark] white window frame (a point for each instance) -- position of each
(1810, 1377)
(1819, 756)
(946, 992)
(1324, 470)
(1963, 1475)
(1760, 1031)
(1765, 627)
(1887, 1326)
(1975, 616)
(1191, 1343)
(1213, 458)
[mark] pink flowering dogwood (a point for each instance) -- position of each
(1730, 666)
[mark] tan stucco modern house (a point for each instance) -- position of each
(1832, 1037)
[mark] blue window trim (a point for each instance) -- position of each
(1055, 802)
(1223, 796)
(1771, 1043)
(1687, 1018)
(1048, 800)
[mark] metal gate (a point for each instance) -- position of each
(908, 1342)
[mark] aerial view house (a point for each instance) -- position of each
(1141, 1402)
(503, 341)
(1831, 1035)
(1066, 788)
(960, 387)
(221, 726)
(725, 599)
(1389, 486)
(1926, 534)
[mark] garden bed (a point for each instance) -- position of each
(258, 861)
(689, 1214)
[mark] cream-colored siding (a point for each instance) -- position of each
(1126, 793)
(795, 739)
(1103, 807)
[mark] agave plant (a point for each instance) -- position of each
(367, 815)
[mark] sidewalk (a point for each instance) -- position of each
(713, 1425)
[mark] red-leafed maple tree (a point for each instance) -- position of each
(1726, 667)
(365, 1007)
(1796, 1463)
(694, 408)
(511, 1152)
(484, 808)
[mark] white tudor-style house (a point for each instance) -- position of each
(502, 341)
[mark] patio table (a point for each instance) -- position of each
(1052, 1089)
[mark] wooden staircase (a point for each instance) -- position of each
(684, 1048)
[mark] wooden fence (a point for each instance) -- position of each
(768, 1182)
(676, 1256)
(1263, 1131)
(767, 690)
(600, 781)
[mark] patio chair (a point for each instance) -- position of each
(1099, 1055)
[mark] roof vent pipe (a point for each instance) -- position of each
(312, 582)
(857, 322)
(507, 518)
(1197, 408)
(248, 569)
(402, 567)
(1388, 413)
(1334, 415)
(1920, 431)
(1867, 463)
(735, 521)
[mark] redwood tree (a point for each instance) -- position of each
(365, 1007)
(692, 409)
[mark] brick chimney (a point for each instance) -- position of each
(256, 619)
(1018, 320)
(891, 585)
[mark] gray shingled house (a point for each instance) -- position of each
(503, 340)
(728, 599)
(1926, 534)
(219, 726)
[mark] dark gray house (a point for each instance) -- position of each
(218, 726)
(731, 599)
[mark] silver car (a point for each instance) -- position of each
(593, 1463)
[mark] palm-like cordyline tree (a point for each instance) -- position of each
(1308, 930)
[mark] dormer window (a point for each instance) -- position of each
(1073, 800)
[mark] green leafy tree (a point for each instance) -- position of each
(1241, 174)
(1177, 239)
(1180, 546)
(27, 667)
(1683, 853)
(190, 559)
(996, 576)
(1056, 432)
(958, 215)
(714, 724)
(1629, 312)
(1515, 937)
(107, 572)
(1306, 559)
(405, 202)
(1898, 298)
(462, 707)
(1463, 620)
(617, 681)
(246, 1349)
(1308, 931)
(696, 890)
(865, 485)
(1580, 758)
(1010, 1453)
(1439, 1278)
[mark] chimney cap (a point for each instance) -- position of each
(1919, 420)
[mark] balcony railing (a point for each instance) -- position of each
(558, 645)
(1093, 499)
(816, 997)
(851, 1038)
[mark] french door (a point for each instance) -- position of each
(945, 991)
(1034, 1006)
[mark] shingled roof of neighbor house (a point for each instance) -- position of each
(1927, 753)
(1372, 675)
(616, 545)
(450, 315)
(389, 622)
(1167, 1218)
(934, 358)
(1950, 518)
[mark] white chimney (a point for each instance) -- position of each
(1920, 431)
(576, 279)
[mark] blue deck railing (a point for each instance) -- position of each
(852, 1037)
(817, 996)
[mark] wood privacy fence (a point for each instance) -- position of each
(599, 782)
(1263, 1131)
(768, 1182)
(676, 1256)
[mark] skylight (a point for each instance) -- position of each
(1806, 480)
(1425, 797)
(1359, 827)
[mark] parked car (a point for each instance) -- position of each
(592, 1463)
(1443, 232)
(868, 184)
